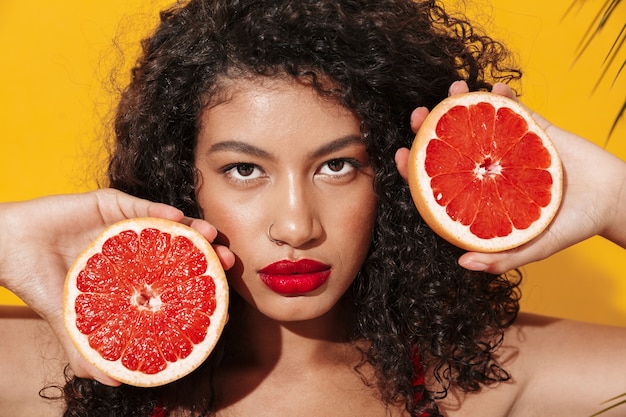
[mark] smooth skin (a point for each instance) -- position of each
(559, 367)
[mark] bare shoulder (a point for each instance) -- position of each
(558, 368)
(30, 359)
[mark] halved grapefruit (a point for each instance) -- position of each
(483, 174)
(146, 302)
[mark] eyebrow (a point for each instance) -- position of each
(338, 144)
(241, 147)
(250, 149)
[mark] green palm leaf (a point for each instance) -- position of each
(606, 11)
(612, 406)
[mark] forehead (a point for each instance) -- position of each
(274, 107)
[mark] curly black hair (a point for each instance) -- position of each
(384, 58)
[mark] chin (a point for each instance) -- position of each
(295, 309)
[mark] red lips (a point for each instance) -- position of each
(295, 277)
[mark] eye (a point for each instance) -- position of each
(339, 167)
(243, 171)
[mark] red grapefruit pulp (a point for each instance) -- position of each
(146, 302)
(483, 174)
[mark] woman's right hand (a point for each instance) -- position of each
(41, 238)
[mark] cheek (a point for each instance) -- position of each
(357, 222)
(211, 198)
(228, 218)
(361, 216)
(216, 209)
(237, 220)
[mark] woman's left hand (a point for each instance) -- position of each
(593, 203)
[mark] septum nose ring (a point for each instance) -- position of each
(269, 236)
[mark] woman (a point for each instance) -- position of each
(284, 125)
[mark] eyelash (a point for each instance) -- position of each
(353, 163)
(232, 169)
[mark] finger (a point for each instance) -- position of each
(402, 162)
(115, 205)
(475, 261)
(503, 90)
(84, 369)
(105, 379)
(502, 262)
(163, 211)
(137, 207)
(205, 228)
(458, 87)
(417, 118)
(226, 257)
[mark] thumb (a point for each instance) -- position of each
(501, 262)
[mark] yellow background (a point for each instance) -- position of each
(55, 95)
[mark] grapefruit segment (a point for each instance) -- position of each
(481, 120)
(483, 174)
(146, 302)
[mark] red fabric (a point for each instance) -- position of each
(159, 411)
(418, 379)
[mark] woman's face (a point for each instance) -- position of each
(274, 153)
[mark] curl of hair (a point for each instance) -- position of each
(383, 59)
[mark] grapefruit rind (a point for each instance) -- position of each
(435, 214)
(174, 370)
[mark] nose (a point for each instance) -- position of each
(294, 213)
